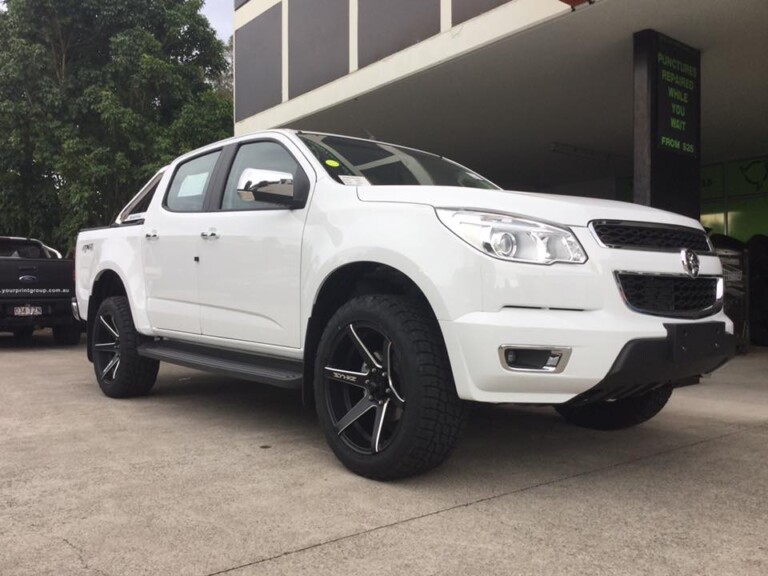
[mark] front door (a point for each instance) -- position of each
(250, 262)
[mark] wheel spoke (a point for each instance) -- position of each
(388, 367)
(109, 328)
(114, 372)
(369, 358)
(356, 412)
(378, 424)
(110, 347)
(346, 376)
(388, 356)
(366, 413)
(110, 365)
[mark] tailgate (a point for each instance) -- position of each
(32, 279)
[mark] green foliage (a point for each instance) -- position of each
(95, 96)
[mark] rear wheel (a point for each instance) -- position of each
(24, 335)
(617, 414)
(67, 334)
(385, 394)
(120, 371)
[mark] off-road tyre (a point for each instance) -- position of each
(618, 414)
(430, 420)
(67, 334)
(134, 374)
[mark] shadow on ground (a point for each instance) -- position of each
(500, 439)
(41, 339)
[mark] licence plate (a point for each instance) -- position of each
(696, 341)
(28, 311)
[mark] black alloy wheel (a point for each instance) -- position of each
(362, 389)
(384, 390)
(120, 370)
(106, 347)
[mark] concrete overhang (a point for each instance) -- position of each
(536, 96)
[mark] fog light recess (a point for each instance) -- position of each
(548, 359)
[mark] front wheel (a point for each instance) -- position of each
(617, 414)
(384, 391)
(120, 371)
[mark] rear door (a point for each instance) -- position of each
(171, 246)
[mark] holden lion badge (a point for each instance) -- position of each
(690, 262)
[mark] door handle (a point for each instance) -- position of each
(210, 235)
(151, 235)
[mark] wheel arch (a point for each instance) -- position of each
(108, 283)
(343, 283)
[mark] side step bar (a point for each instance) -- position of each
(264, 369)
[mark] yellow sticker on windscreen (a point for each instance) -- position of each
(332, 163)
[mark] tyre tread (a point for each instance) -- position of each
(444, 415)
(137, 375)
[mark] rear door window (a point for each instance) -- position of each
(136, 209)
(190, 184)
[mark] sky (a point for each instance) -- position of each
(221, 14)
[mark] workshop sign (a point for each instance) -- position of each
(678, 87)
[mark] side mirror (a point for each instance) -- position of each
(267, 186)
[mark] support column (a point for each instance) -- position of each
(667, 124)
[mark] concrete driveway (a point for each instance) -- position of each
(209, 476)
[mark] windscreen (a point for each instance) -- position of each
(365, 162)
(13, 248)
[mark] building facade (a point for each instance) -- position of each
(531, 93)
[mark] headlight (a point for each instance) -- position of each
(512, 238)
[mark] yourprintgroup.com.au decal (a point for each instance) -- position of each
(32, 291)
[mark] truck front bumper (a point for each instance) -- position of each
(642, 365)
(603, 355)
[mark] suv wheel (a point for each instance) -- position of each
(617, 414)
(384, 391)
(120, 371)
(67, 334)
(23, 335)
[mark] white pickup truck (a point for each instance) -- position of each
(391, 286)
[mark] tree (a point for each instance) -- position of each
(95, 96)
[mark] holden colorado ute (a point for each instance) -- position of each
(393, 286)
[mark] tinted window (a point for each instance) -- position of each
(348, 159)
(137, 207)
(187, 191)
(143, 204)
(267, 156)
(21, 249)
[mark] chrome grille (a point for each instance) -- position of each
(672, 296)
(648, 236)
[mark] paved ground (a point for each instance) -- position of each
(223, 477)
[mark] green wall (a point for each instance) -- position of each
(734, 197)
